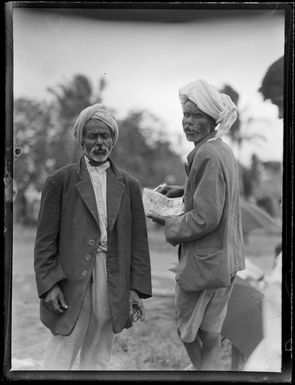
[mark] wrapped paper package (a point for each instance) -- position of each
(160, 204)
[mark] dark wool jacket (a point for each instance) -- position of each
(68, 236)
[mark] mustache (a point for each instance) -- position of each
(188, 128)
(99, 148)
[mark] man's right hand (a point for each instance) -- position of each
(55, 300)
(171, 191)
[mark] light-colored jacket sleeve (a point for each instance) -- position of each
(208, 202)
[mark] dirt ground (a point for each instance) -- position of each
(149, 345)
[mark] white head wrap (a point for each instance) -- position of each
(212, 102)
(97, 111)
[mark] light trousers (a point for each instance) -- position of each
(92, 336)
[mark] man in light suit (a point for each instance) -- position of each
(92, 262)
(209, 233)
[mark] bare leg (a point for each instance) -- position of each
(211, 350)
(194, 351)
(237, 359)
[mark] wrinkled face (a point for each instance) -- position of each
(196, 124)
(97, 140)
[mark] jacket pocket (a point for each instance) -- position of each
(204, 269)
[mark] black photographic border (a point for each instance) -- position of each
(288, 203)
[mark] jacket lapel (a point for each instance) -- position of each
(115, 191)
(85, 189)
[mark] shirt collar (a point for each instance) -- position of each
(191, 155)
(99, 169)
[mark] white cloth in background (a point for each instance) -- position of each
(214, 103)
(267, 355)
(251, 272)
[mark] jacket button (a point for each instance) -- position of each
(91, 242)
(84, 273)
(88, 257)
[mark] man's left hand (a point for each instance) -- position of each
(136, 308)
(157, 218)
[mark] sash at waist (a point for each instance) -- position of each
(103, 247)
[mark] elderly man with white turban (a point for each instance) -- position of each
(209, 233)
(92, 262)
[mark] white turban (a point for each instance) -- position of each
(208, 99)
(97, 111)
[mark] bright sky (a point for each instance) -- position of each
(145, 64)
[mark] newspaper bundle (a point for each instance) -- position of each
(154, 201)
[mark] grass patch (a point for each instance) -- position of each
(149, 345)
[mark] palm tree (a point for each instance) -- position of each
(237, 137)
(70, 98)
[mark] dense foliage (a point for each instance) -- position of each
(43, 130)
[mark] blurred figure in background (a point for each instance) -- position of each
(272, 86)
(267, 356)
(92, 262)
(209, 233)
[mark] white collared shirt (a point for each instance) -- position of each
(98, 178)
